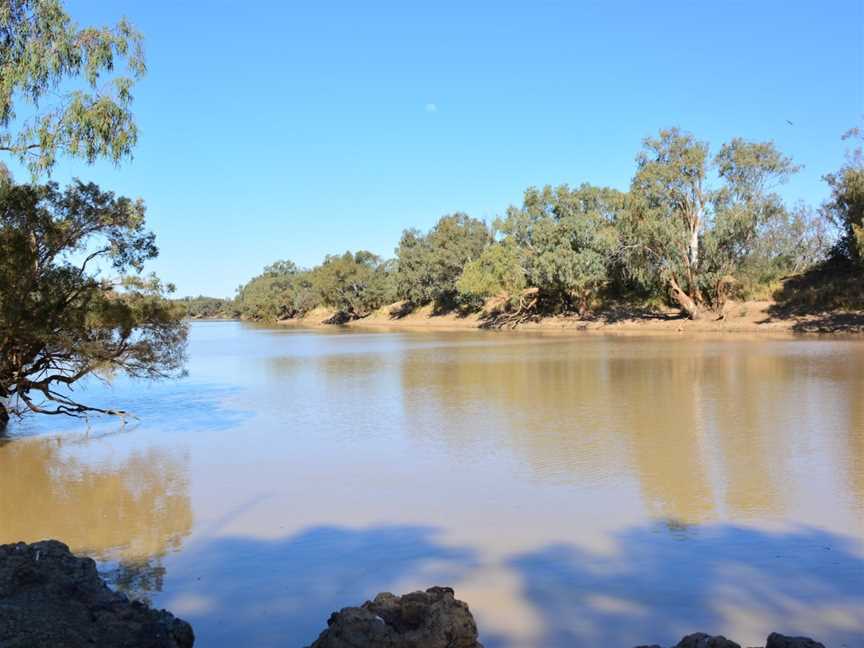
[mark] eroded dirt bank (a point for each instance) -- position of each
(747, 317)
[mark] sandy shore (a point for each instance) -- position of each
(747, 317)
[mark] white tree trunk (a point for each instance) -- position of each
(694, 245)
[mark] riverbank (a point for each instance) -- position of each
(752, 317)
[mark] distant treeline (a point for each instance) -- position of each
(693, 231)
(202, 307)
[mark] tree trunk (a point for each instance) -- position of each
(4, 417)
(687, 303)
(693, 259)
(694, 245)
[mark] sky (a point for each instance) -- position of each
(289, 130)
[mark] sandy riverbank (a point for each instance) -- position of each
(744, 317)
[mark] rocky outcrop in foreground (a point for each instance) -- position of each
(49, 597)
(775, 640)
(430, 619)
(435, 619)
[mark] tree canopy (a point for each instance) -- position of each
(59, 93)
(845, 207)
(60, 318)
(281, 291)
(429, 265)
(73, 301)
(569, 239)
(693, 230)
(353, 284)
(683, 235)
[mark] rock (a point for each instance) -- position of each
(430, 619)
(702, 640)
(49, 597)
(777, 640)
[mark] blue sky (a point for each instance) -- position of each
(277, 130)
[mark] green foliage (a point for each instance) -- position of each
(354, 284)
(569, 240)
(752, 237)
(845, 208)
(61, 319)
(662, 231)
(282, 291)
(45, 54)
(430, 265)
(692, 231)
(500, 270)
(202, 307)
(702, 245)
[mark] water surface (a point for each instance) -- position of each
(576, 490)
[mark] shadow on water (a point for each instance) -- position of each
(240, 591)
(666, 581)
(658, 583)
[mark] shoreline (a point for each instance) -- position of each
(751, 318)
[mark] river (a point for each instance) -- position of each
(575, 490)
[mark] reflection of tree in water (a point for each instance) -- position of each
(707, 428)
(133, 510)
(569, 407)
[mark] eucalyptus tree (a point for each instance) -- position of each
(569, 240)
(73, 302)
(62, 318)
(60, 89)
(750, 228)
(281, 291)
(498, 271)
(692, 237)
(845, 207)
(354, 284)
(429, 265)
(667, 215)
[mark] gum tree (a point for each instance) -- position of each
(73, 302)
(429, 265)
(61, 319)
(691, 238)
(354, 284)
(569, 241)
(60, 92)
(845, 207)
(668, 215)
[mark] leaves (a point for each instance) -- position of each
(60, 318)
(55, 97)
(569, 239)
(428, 266)
(845, 208)
(353, 284)
(499, 269)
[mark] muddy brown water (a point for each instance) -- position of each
(576, 490)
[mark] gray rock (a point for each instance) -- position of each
(702, 640)
(777, 640)
(49, 597)
(430, 619)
